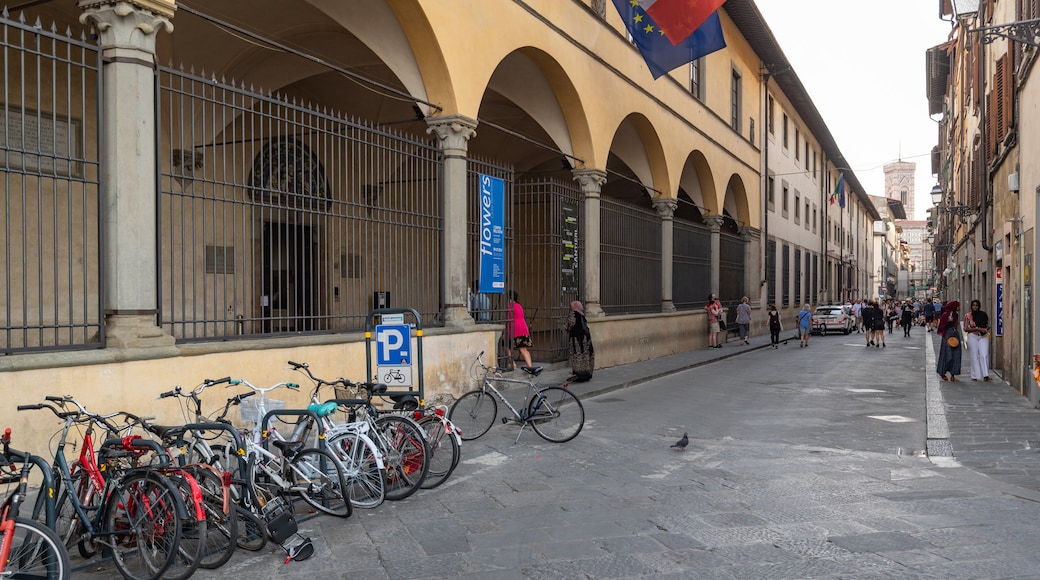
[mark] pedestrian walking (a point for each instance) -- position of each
(857, 310)
(950, 344)
(522, 335)
(878, 316)
(582, 356)
(906, 317)
(714, 308)
(867, 322)
(744, 320)
(891, 313)
(976, 326)
(929, 314)
(775, 326)
(804, 324)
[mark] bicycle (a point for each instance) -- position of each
(28, 549)
(314, 474)
(362, 459)
(553, 412)
(400, 440)
(193, 446)
(135, 513)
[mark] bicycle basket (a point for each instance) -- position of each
(250, 411)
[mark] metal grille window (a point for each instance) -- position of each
(691, 264)
(328, 218)
(798, 275)
(771, 270)
(815, 279)
(786, 265)
(630, 258)
(808, 279)
(50, 262)
(731, 269)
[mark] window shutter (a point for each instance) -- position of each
(989, 128)
(999, 99)
(1009, 95)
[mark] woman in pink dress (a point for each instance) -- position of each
(522, 335)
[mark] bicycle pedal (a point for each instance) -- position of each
(505, 420)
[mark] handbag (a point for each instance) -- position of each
(722, 324)
(953, 342)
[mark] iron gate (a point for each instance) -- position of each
(543, 256)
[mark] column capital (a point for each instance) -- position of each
(130, 24)
(750, 233)
(590, 180)
(714, 222)
(453, 131)
(665, 206)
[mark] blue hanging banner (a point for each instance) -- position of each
(492, 235)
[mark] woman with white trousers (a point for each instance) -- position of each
(976, 327)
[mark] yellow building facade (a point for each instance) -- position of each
(196, 192)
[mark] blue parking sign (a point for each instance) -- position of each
(393, 344)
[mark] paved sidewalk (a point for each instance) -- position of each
(985, 426)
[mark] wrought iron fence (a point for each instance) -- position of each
(277, 217)
(691, 274)
(50, 264)
(630, 258)
(543, 221)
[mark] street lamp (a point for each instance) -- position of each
(956, 209)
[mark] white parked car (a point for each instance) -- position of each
(833, 318)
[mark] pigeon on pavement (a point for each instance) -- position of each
(682, 443)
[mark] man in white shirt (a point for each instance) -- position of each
(857, 311)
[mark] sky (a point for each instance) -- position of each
(863, 65)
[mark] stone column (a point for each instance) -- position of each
(591, 182)
(753, 264)
(127, 30)
(453, 134)
(715, 224)
(666, 209)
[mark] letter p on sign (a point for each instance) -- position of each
(395, 345)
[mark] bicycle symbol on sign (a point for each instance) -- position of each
(394, 376)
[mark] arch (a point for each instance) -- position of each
(698, 183)
(638, 145)
(736, 201)
(536, 84)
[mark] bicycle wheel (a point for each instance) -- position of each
(556, 414)
(405, 455)
(142, 524)
(444, 450)
(194, 528)
(221, 525)
(473, 414)
(365, 479)
(36, 552)
(67, 524)
(252, 532)
(316, 475)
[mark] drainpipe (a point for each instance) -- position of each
(764, 290)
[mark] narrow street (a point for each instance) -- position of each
(802, 463)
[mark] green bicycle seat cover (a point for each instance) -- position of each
(323, 409)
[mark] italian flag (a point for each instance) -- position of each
(679, 18)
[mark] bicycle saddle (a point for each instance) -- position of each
(323, 409)
(167, 431)
(289, 447)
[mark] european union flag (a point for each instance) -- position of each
(658, 52)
